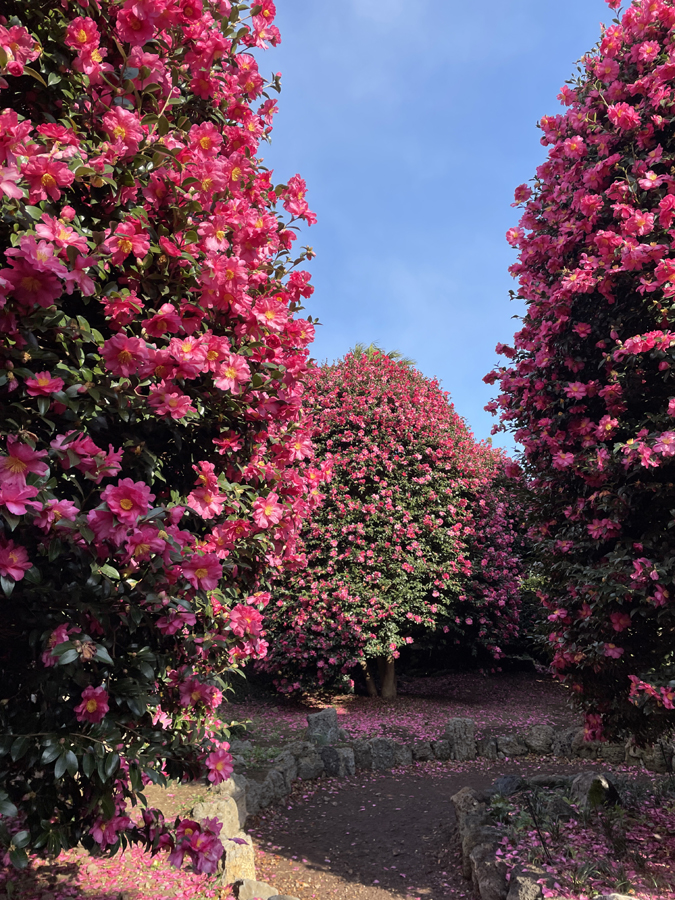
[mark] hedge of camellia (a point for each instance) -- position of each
(416, 534)
(153, 463)
(590, 389)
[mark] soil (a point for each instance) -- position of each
(378, 837)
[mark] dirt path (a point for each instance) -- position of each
(376, 837)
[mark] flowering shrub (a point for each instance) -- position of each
(151, 370)
(415, 536)
(589, 391)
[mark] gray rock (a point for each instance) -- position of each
(557, 807)
(487, 748)
(507, 785)
(614, 897)
(511, 745)
(552, 782)
(487, 874)
(338, 761)
(585, 749)
(238, 863)
(222, 808)
(473, 826)
(343, 735)
(403, 755)
(382, 752)
(240, 747)
(287, 767)
(521, 887)
(363, 756)
(253, 797)
(591, 789)
(322, 727)
(273, 788)
(539, 739)
(465, 802)
(310, 766)
(253, 890)
(422, 752)
(461, 733)
(654, 759)
(235, 787)
(442, 749)
(301, 748)
(613, 753)
(562, 741)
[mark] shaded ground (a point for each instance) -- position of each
(378, 837)
(498, 704)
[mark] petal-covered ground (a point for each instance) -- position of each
(498, 705)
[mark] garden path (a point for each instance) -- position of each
(377, 837)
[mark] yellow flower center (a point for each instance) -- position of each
(201, 573)
(48, 180)
(125, 245)
(127, 504)
(91, 706)
(30, 283)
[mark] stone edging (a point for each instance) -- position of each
(480, 837)
(329, 751)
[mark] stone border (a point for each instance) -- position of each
(328, 750)
(480, 837)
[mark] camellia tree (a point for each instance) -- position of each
(590, 390)
(416, 535)
(153, 460)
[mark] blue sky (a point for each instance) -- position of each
(412, 123)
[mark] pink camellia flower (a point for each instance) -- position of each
(206, 501)
(42, 385)
(233, 372)
(192, 691)
(521, 194)
(46, 176)
(614, 652)
(132, 29)
(82, 34)
(30, 286)
(123, 355)
(128, 499)
(665, 445)
(124, 130)
(245, 620)
(14, 562)
(128, 238)
(52, 513)
(219, 764)
(17, 498)
(620, 621)
(59, 636)
(576, 390)
(623, 116)
(9, 176)
(94, 705)
(21, 460)
(267, 510)
(167, 402)
(203, 571)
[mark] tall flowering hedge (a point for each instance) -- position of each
(416, 534)
(152, 433)
(589, 390)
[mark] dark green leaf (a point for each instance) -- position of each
(71, 762)
(18, 858)
(20, 746)
(60, 766)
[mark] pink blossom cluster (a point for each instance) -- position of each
(587, 389)
(155, 455)
(417, 534)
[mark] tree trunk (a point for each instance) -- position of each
(371, 687)
(387, 669)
